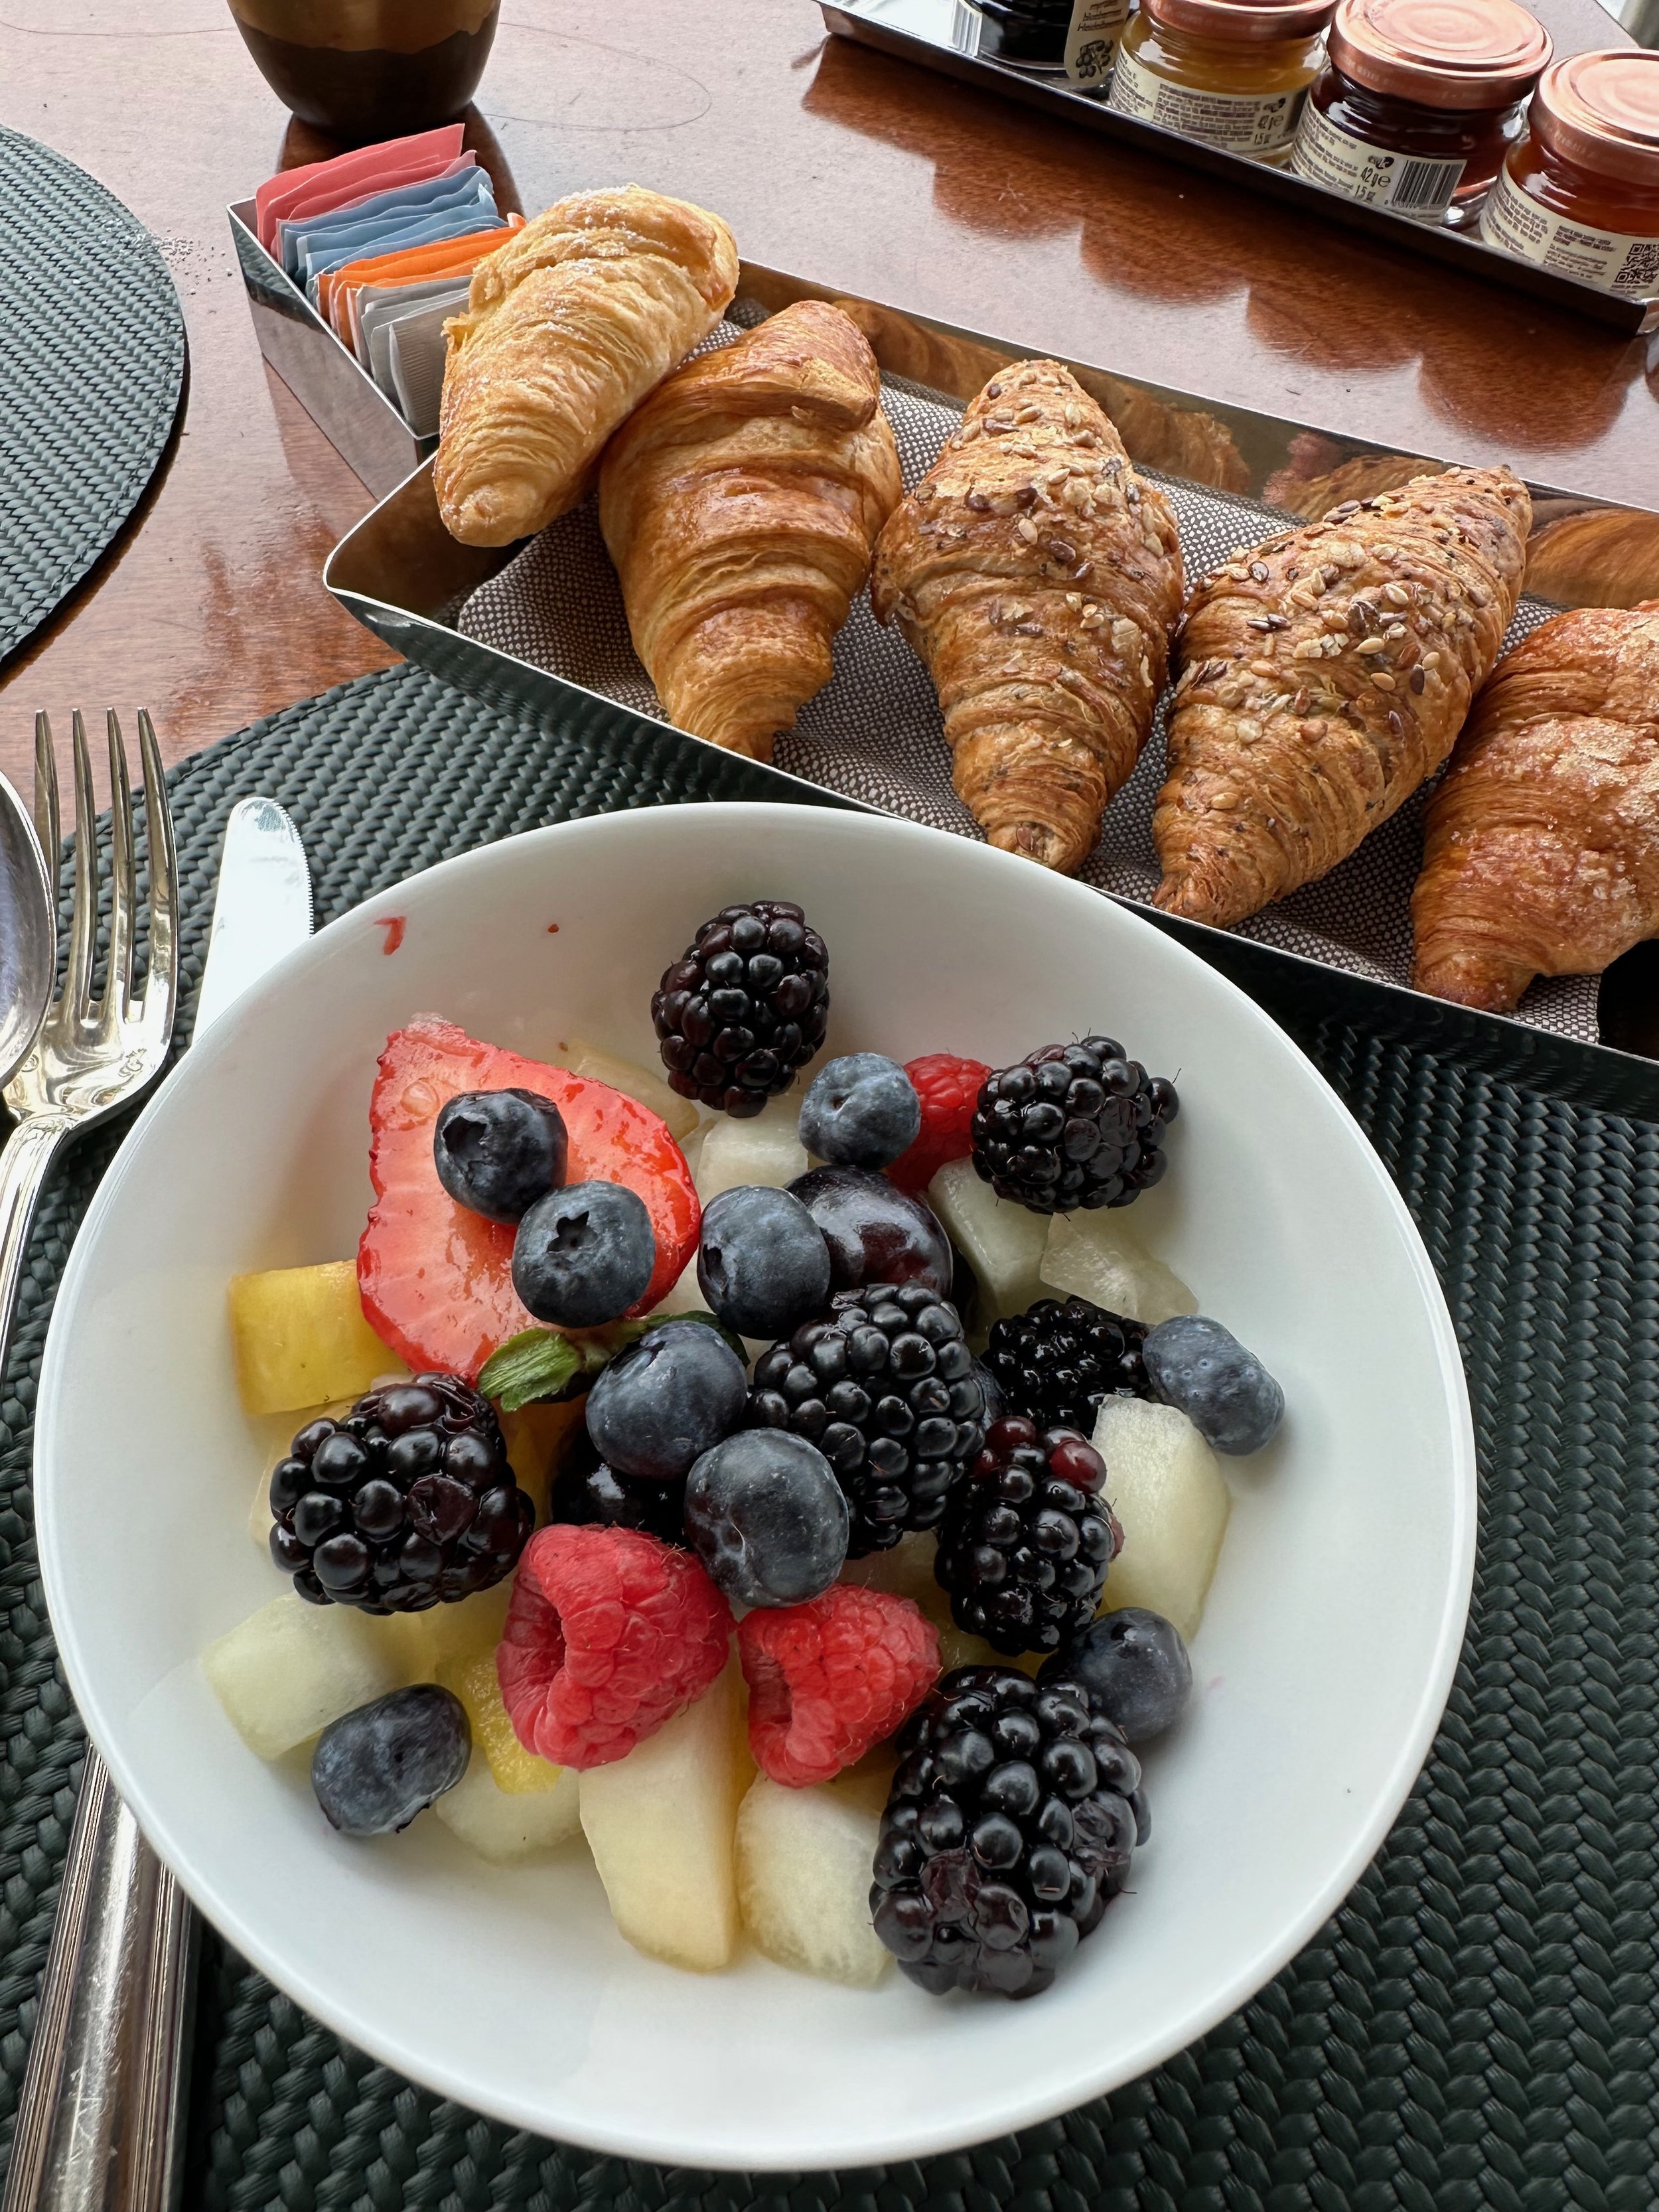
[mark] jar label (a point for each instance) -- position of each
(1091, 41)
(1612, 261)
(1245, 122)
(1328, 156)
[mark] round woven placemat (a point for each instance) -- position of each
(92, 373)
(1475, 2028)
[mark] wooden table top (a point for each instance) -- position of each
(826, 159)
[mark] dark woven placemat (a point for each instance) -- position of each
(92, 373)
(1477, 2025)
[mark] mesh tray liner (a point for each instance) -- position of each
(92, 371)
(874, 732)
(1475, 2028)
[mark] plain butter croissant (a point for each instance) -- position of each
(568, 327)
(1325, 675)
(1541, 847)
(741, 506)
(1039, 579)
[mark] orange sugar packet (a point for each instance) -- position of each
(448, 256)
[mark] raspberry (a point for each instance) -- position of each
(829, 1678)
(610, 1634)
(948, 1087)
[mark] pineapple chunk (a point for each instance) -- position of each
(661, 1826)
(301, 1339)
(1166, 1489)
(637, 1083)
(502, 1827)
(518, 1772)
(1002, 1243)
(291, 1668)
(445, 1635)
(764, 1149)
(804, 1858)
(1093, 1255)
(538, 1438)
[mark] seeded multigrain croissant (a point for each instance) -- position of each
(1039, 579)
(568, 327)
(1540, 852)
(1325, 676)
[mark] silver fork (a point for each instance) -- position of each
(97, 2123)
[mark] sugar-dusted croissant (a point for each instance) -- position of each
(1325, 676)
(568, 327)
(741, 506)
(1541, 847)
(1039, 579)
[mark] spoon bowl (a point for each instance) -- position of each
(28, 934)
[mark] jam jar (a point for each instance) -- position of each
(1418, 102)
(1579, 193)
(1232, 72)
(1076, 37)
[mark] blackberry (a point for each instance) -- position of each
(1056, 1361)
(1072, 1125)
(407, 1502)
(1012, 1821)
(1026, 1540)
(886, 1388)
(745, 1006)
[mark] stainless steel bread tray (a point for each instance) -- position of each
(401, 574)
(943, 35)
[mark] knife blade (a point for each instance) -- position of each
(261, 907)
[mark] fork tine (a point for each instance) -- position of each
(161, 983)
(45, 801)
(83, 916)
(124, 894)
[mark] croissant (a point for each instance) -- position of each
(1541, 847)
(1325, 675)
(568, 327)
(741, 505)
(1039, 579)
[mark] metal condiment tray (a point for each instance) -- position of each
(940, 34)
(402, 575)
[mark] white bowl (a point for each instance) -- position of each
(1321, 1667)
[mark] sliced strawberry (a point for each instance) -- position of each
(436, 1281)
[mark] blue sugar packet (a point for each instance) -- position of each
(323, 247)
(431, 192)
(460, 222)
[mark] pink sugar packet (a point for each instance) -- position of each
(322, 186)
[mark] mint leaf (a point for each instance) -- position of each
(538, 1363)
(623, 1333)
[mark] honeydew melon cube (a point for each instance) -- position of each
(1166, 1489)
(803, 1862)
(446, 1635)
(502, 1827)
(1001, 1241)
(291, 1668)
(1097, 1256)
(906, 1570)
(957, 1648)
(661, 1825)
(301, 1338)
(642, 1084)
(519, 1773)
(764, 1149)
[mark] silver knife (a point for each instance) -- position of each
(100, 2121)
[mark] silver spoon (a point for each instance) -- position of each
(28, 934)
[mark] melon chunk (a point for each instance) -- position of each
(644, 1085)
(473, 1679)
(503, 1827)
(291, 1668)
(906, 1570)
(661, 1827)
(1001, 1241)
(1165, 1488)
(764, 1149)
(446, 1635)
(1097, 1256)
(804, 1862)
(301, 1339)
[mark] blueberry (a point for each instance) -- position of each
(666, 1400)
(1133, 1664)
(766, 1517)
(1224, 1390)
(584, 1254)
(374, 1770)
(876, 1232)
(763, 1264)
(497, 1151)
(860, 1111)
(587, 1493)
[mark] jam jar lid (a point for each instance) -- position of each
(1238, 19)
(1602, 111)
(1440, 53)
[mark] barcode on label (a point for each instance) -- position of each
(1427, 184)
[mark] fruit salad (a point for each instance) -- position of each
(792, 1483)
